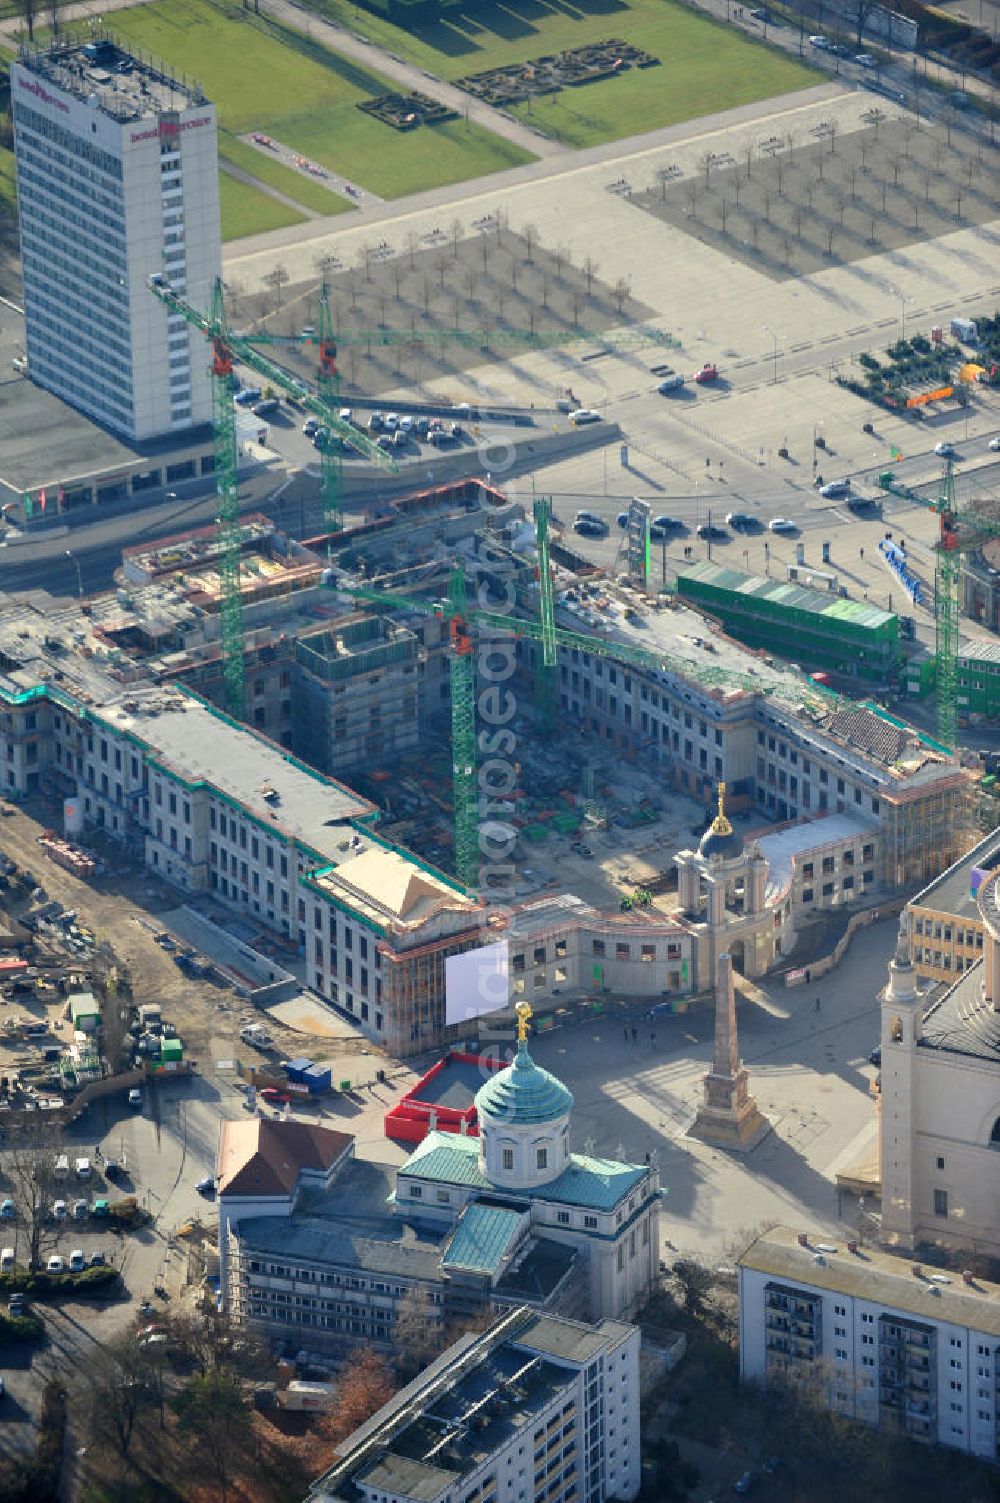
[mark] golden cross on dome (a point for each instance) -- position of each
(523, 1010)
(720, 824)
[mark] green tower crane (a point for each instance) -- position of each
(328, 386)
(227, 348)
(461, 621)
(547, 682)
(947, 576)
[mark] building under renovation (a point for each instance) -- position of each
(287, 822)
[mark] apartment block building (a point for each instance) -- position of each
(535, 1408)
(117, 180)
(878, 1338)
(947, 927)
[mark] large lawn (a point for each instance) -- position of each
(304, 190)
(704, 65)
(247, 211)
(264, 77)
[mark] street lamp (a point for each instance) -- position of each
(774, 378)
(79, 576)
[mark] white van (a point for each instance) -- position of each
(61, 1170)
(584, 415)
(7, 1260)
(83, 1168)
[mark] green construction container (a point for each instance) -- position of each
(172, 1049)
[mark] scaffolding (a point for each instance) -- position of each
(926, 829)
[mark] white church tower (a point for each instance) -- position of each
(902, 1007)
(523, 1120)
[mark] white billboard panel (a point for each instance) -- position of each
(476, 983)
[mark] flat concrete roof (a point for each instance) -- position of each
(877, 1277)
(125, 87)
(44, 441)
(950, 893)
(201, 744)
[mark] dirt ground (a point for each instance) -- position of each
(792, 206)
(122, 908)
(431, 299)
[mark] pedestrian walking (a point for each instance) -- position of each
(626, 1033)
(817, 1004)
(652, 1037)
(635, 1035)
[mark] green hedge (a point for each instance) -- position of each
(19, 1328)
(89, 1281)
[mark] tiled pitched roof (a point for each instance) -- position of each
(263, 1157)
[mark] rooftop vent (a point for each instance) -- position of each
(803, 1239)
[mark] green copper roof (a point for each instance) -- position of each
(524, 1093)
(592, 1184)
(483, 1237)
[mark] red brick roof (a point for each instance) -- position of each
(263, 1156)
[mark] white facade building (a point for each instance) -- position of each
(882, 1339)
(536, 1407)
(117, 180)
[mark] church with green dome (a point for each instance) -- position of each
(521, 1174)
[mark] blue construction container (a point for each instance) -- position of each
(296, 1070)
(318, 1078)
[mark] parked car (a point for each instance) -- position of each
(385, 441)
(422, 426)
(55, 1264)
(400, 439)
(265, 408)
(622, 519)
(391, 422)
(77, 1261)
(835, 488)
(8, 1210)
(944, 448)
(875, 1057)
(673, 382)
(781, 524)
(309, 426)
(584, 415)
(995, 443)
(248, 396)
(740, 521)
(80, 1210)
(588, 529)
(206, 1186)
(706, 375)
(60, 1210)
(865, 60)
(822, 45)
(274, 1096)
(15, 1305)
(375, 423)
(135, 1097)
(591, 516)
(407, 423)
(668, 524)
(710, 533)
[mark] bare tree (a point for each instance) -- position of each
(663, 177)
(470, 280)
(590, 269)
(30, 1164)
(485, 247)
(276, 279)
(831, 235)
(787, 242)
(737, 189)
(513, 275)
(417, 1333)
(546, 290)
(412, 246)
(722, 213)
(117, 1389)
(455, 231)
(501, 220)
(780, 168)
(748, 152)
(621, 293)
(425, 293)
(529, 234)
(365, 257)
(324, 263)
(442, 267)
(53, 8)
(706, 162)
(575, 303)
(562, 258)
